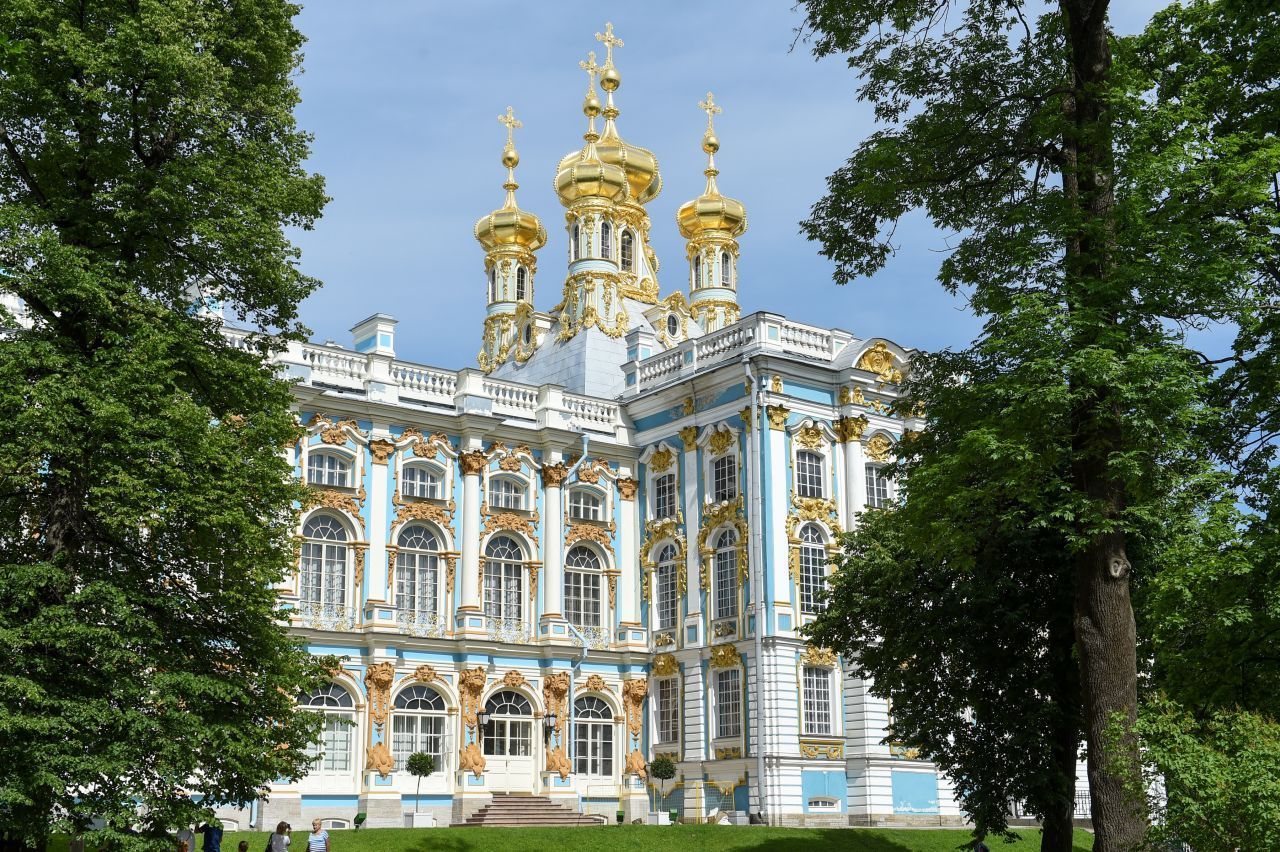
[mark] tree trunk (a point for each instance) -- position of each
(1058, 827)
(1106, 635)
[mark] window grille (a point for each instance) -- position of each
(809, 474)
(724, 478)
(817, 701)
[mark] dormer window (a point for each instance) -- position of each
(505, 493)
(328, 469)
(628, 251)
(673, 325)
(584, 505)
(606, 240)
(522, 275)
(420, 481)
(724, 478)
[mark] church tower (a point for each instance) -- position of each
(509, 236)
(711, 223)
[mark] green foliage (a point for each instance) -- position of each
(420, 764)
(149, 161)
(662, 768)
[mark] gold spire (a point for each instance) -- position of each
(591, 105)
(711, 211)
(510, 225)
(510, 157)
(609, 77)
(710, 144)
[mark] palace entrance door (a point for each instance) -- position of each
(508, 743)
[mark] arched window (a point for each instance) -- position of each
(726, 575)
(324, 562)
(628, 251)
(606, 240)
(418, 725)
(809, 474)
(504, 579)
(328, 469)
(509, 731)
(418, 571)
(726, 269)
(522, 276)
(575, 244)
(724, 478)
(582, 587)
(506, 493)
(418, 480)
(673, 325)
(593, 737)
(668, 604)
(664, 496)
(813, 569)
(334, 747)
(697, 271)
(584, 505)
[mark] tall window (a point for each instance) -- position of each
(582, 587)
(726, 268)
(418, 480)
(493, 284)
(668, 710)
(584, 505)
(522, 277)
(809, 474)
(324, 561)
(664, 496)
(418, 725)
(724, 478)
(504, 579)
(728, 704)
(606, 240)
(418, 571)
(697, 271)
(817, 700)
(592, 737)
(509, 731)
(505, 493)
(668, 606)
(328, 469)
(334, 747)
(575, 244)
(877, 487)
(727, 575)
(813, 569)
(628, 251)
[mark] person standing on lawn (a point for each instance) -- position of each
(212, 837)
(318, 840)
(280, 839)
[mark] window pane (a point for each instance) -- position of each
(728, 704)
(817, 700)
(809, 474)
(668, 606)
(664, 496)
(877, 487)
(726, 577)
(668, 710)
(724, 475)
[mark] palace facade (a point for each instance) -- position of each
(601, 545)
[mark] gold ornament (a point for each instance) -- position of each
(421, 511)
(583, 531)
(627, 488)
(554, 689)
(633, 695)
(470, 686)
(850, 429)
(879, 360)
(553, 475)
(810, 437)
(720, 441)
(689, 435)
(381, 450)
(425, 674)
(778, 415)
(471, 759)
(512, 521)
(595, 683)
(665, 665)
(327, 498)
(724, 656)
(636, 765)
(816, 749)
(746, 416)
(514, 679)
(879, 447)
(823, 658)
(661, 461)
(380, 759)
(378, 680)
(729, 753)
(775, 384)
(473, 462)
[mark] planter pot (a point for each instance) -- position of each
(659, 818)
(421, 820)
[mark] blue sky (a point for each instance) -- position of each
(403, 97)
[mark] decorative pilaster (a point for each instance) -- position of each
(553, 476)
(629, 553)
(473, 464)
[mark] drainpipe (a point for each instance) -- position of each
(754, 489)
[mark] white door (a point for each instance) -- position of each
(508, 744)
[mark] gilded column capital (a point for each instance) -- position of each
(778, 415)
(689, 435)
(381, 450)
(850, 429)
(553, 475)
(473, 462)
(627, 488)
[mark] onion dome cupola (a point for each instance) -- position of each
(712, 223)
(583, 177)
(629, 221)
(509, 236)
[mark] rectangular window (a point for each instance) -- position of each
(668, 710)
(668, 606)
(503, 591)
(328, 469)
(505, 494)
(593, 748)
(724, 479)
(727, 582)
(813, 577)
(728, 704)
(877, 487)
(584, 506)
(335, 743)
(809, 474)
(417, 481)
(817, 700)
(664, 496)
(410, 733)
(582, 598)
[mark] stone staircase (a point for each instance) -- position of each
(518, 811)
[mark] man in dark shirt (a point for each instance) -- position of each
(212, 837)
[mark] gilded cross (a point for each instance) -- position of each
(610, 41)
(711, 108)
(589, 65)
(511, 123)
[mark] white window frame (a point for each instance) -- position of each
(727, 684)
(407, 726)
(805, 475)
(809, 605)
(671, 568)
(583, 588)
(334, 555)
(725, 570)
(508, 728)
(595, 752)
(628, 236)
(345, 459)
(577, 504)
(879, 487)
(710, 460)
(339, 727)
(435, 476)
(518, 487)
(667, 711)
(419, 560)
(818, 717)
(499, 575)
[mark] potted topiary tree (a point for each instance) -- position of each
(420, 765)
(663, 769)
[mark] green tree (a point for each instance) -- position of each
(149, 161)
(1100, 216)
(420, 765)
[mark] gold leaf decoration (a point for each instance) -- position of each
(820, 657)
(720, 441)
(879, 360)
(879, 447)
(724, 656)
(810, 437)
(378, 680)
(661, 461)
(665, 665)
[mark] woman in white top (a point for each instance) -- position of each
(318, 841)
(280, 839)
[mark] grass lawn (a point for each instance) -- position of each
(711, 838)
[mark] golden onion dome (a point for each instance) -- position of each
(711, 211)
(509, 225)
(584, 174)
(644, 181)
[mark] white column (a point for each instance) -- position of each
(777, 504)
(472, 464)
(855, 475)
(692, 516)
(628, 553)
(553, 476)
(375, 576)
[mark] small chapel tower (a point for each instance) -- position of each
(711, 223)
(509, 236)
